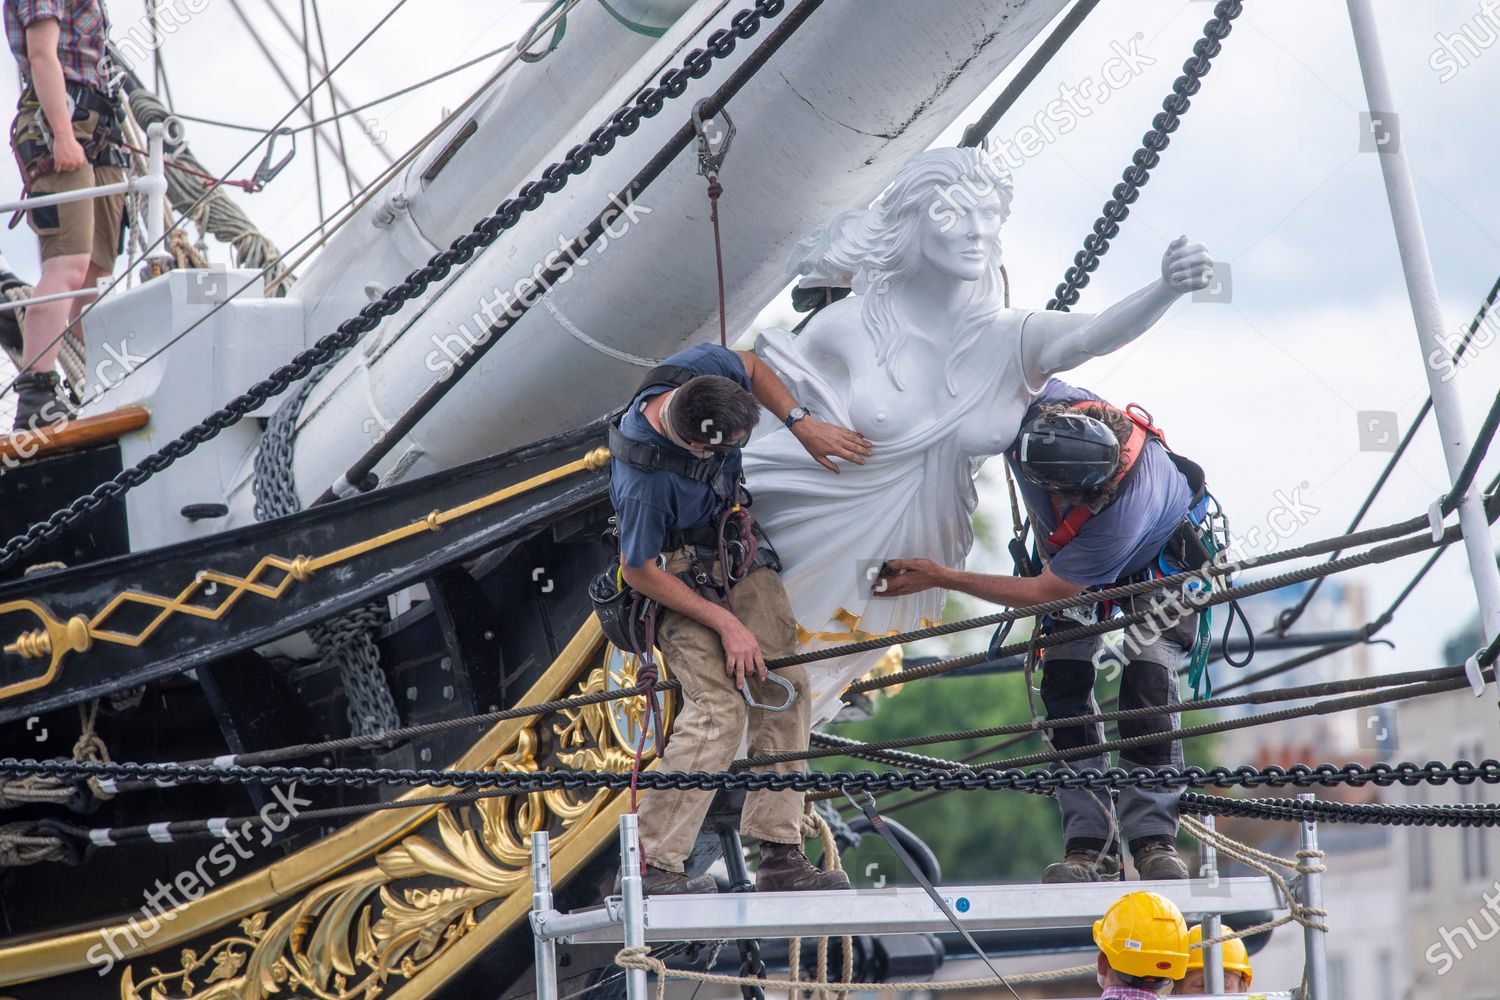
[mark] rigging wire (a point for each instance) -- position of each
(333, 101)
(331, 119)
(1288, 617)
(188, 212)
(312, 112)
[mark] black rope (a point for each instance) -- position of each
(939, 667)
(1288, 617)
(1466, 473)
(1380, 554)
(1228, 725)
(554, 178)
(1107, 226)
(980, 128)
(1324, 689)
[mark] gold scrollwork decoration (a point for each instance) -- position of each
(356, 936)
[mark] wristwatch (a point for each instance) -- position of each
(798, 412)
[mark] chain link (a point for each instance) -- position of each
(1381, 775)
(623, 122)
(1107, 226)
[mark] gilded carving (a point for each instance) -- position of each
(362, 933)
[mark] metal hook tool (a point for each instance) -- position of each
(774, 678)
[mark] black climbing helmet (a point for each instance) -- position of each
(1068, 452)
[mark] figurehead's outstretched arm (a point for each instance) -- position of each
(1055, 342)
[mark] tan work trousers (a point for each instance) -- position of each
(706, 733)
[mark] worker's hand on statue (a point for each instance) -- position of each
(1187, 267)
(67, 154)
(742, 656)
(899, 577)
(824, 442)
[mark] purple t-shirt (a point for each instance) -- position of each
(1127, 535)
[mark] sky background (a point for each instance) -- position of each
(1265, 390)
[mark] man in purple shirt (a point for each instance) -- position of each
(66, 137)
(1106, 499)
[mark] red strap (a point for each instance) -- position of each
(1141, 430)
(1068, 528)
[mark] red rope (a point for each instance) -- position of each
(714, 190)
(249, 187)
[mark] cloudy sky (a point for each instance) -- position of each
(1266, 390)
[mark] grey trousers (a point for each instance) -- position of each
(1148, 677)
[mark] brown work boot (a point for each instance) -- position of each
(784, 868)
(1084, 864)
(1157, 859)
(660, 882)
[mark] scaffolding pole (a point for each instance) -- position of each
(1421, 289)
(1213, 954)
(1315, 941)
(541, 902)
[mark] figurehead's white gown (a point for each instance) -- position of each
(914, 497)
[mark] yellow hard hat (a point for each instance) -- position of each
(1143, 935)
(1236, 958)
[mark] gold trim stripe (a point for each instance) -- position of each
(56, 639)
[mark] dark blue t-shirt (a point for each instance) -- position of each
(1127, 535)
(649, 504)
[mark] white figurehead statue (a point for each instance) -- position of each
(926, 362)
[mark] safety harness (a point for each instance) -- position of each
(101, 133)
(1199, 538)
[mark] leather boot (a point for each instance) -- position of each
(1157, 859)
(38, 403)
(1083, 864)
(784, 868)
(660, 882)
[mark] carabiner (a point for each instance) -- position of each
(710, 160)
(774, 678)
(267, 171)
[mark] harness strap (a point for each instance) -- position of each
(649, 458)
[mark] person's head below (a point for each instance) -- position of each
(1143, 943)
(709, 414)
(1074, 453)
(1237, 971)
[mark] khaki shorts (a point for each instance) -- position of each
(95, 226)
(91, 227)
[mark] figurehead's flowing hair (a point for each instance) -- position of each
(876, 250)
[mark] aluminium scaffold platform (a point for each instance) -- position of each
(632, 919)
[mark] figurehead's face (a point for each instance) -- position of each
(965, 248)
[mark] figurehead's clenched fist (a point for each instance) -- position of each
(1187, 267)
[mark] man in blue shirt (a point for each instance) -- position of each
(1106, 498)
(675, 485)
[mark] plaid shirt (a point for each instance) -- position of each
(1128, 993)
(83, 28)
